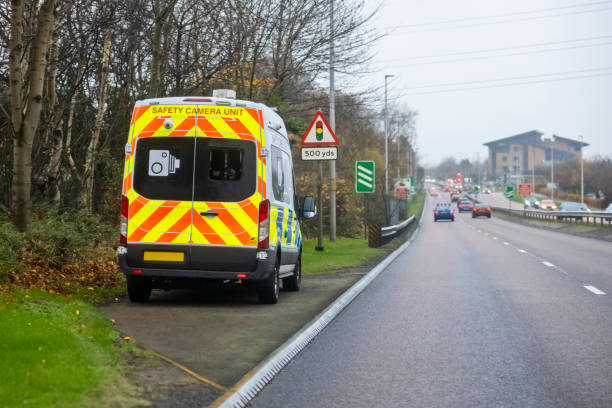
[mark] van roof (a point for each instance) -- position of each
(271, 118)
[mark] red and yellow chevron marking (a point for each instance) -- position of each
(152, 221)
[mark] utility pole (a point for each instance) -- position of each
(532, 169)
(386, 141)
(332, 123)
(552, 171)
(581, 172)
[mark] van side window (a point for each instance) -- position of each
(282, 176)
(278, 184)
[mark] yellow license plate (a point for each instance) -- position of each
(164, 256)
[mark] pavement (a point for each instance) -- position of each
(211, 338)
(475, 313)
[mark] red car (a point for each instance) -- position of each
(481, 210)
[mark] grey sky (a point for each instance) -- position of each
(457, 123)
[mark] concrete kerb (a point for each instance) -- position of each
(255, 380)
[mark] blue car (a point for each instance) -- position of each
(443, 211)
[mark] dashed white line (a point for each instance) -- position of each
(494, 237)
(550, 265)
(594, 290)
(506, 243)
(522, 251)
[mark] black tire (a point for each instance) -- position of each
(268, 290)
(435, 219)
(294, 283)
(489, 216)
(138, 289)
(453, 219)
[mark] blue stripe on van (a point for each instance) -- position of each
(280, 215)
(289, 232)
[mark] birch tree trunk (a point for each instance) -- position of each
(25, 116)
(86, 194)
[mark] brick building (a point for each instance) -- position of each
(518, 154)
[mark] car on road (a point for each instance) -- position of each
(446, 189)
(609, 208)
(532, 202)
(464, 205)
(575, 208)
(548, 205)
(486, 191)
(444, 211)
(433, 192)
(481, 210)
(455, 197)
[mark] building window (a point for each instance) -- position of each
(515, 148)
(504, 158)
(515, 158)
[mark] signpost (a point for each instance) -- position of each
(509, 192)
(365, 182)
(524, 190)
(319, 143)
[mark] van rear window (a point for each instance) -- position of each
(225, 169)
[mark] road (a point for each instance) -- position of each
(475, 313)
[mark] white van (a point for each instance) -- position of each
(208, 193)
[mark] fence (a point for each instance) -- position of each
(378, 235)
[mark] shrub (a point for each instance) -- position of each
(11, 241)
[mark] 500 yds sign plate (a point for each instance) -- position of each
(320, 153)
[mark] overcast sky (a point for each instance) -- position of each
(573, 38)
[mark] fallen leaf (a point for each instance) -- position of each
(77, 312)
(127, 338)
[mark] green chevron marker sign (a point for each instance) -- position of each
(365, 176)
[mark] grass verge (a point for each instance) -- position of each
(350, 252)
(58, 351)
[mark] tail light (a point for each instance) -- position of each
(124, 220)
(452, 212)
(437, 212)
(263, 241)
(488, 209)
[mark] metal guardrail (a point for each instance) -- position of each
(378, 236)
(593, 217)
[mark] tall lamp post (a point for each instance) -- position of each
(552, 171)
(581, 172)
(386, 141)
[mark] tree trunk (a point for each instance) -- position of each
(25, 121)
(52, 191)
(86, 194)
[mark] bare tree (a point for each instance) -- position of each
(27, 77)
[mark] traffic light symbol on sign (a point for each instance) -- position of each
(319, 130)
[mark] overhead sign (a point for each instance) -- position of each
(319, 133)
(509, 192)
(320, 153)
(524, 190)
(365, 176)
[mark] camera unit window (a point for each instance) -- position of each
(163, 168)
(226, 169)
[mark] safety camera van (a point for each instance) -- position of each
(209, 196)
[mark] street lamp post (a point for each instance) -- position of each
(581, 173)
(552, 172)
(386, 141)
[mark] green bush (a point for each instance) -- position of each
(59, 238)
(11, 242)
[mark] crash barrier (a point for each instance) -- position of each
(378, 236)
(593, 217)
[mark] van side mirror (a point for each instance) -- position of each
(309, 209)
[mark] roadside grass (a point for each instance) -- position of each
(59, 351)
(344, 253)
(348, 252)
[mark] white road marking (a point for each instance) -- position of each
(479, 231)
(494, 237)
(594, 290)
(550, 265)
(486, 233)
(522, 251)
(505, 243)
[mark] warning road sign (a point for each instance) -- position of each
(319, 133)
(365, 176)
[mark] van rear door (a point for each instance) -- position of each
(229, 184)
(159, 185)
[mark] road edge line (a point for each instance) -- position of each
(257, 378)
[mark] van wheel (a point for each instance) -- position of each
(268, 291)
(293, 283)
(138, 289)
